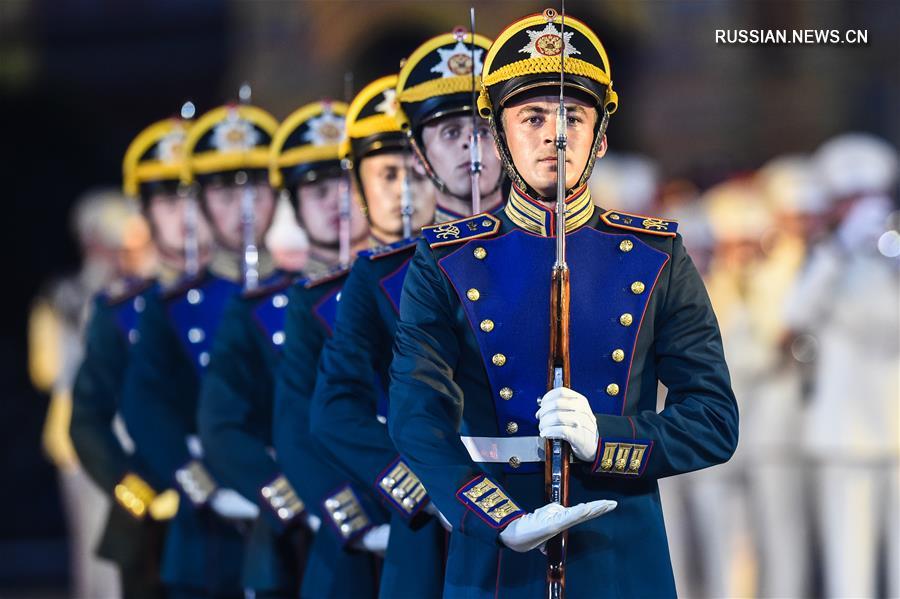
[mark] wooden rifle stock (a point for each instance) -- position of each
(556, 464)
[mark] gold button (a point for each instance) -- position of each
(498, 359)
(480, 253)
(473, 294)
(606, 464)
(506, 393)
(512, 428)
(634, 466)
(486, 223)
(625, 320)
(620, 464)
(618, 355)
(612, 389)
(487, 325)
(637, 288)
(626, 245)
(515, 462)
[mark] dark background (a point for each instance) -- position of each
(79, 79)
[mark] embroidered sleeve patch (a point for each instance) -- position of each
(282, 499)
(196, 482)
(484, 497)
(637, 222)
(346, 515)
(625, 457)
(464, 229)
(402, 488)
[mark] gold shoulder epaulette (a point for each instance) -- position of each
(464, 229)
(640, 223)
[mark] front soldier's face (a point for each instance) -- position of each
(530, 130)
(447, 146)
(382, 181)
(224, 204)
(167, 213)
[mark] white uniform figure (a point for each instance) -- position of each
(772, 415)
(739, 219)
(848, 299)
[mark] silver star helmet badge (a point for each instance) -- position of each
(388, 105)
(234, 134)
(171, 146)
(457, 61)
(548, 42)
(324, 130)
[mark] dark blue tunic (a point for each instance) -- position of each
(471, 361)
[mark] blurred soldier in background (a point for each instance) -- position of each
(435, 92)
(237, 396)
(115, 242)
(227, 155)
(628, 182)
(738, 219)
(133, 536)
(790, 189)
(848, 301)
(377, 151)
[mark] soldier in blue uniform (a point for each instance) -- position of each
(237, 395)
(353, 516)
(227, 154)
(469, 407)
(434, 90)
(134, 530)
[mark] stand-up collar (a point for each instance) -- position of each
(535, 217)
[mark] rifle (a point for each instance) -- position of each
(346, 190)
(191, 212)
(558, 452)
(248, 215)
(474, 146)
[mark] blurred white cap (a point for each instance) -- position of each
(736, 210)
(790, 184)
(104, 217)
(856, 164)
(627, 182)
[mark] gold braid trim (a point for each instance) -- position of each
(544, 65)
(373, 125)
(439, 87)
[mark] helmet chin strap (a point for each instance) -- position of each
(436, 179)
(506, 157)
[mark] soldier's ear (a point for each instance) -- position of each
(418, 166)
(601, 151)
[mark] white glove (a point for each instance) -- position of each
(230, 504)
(375, 540)
(430, 508)
(566, 414)
(313, 522)
(534, 529)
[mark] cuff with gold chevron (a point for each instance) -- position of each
(402, 488)
(484, 497)
(345, 513)
(623, 457)
(640, 223)
(134, 494)
(464, 229)
(282, 499)
(196, 482)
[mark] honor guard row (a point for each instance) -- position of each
(391, 401)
